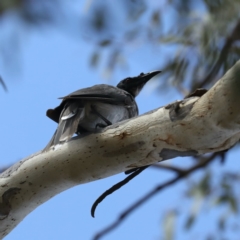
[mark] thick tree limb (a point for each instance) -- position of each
(196, 125)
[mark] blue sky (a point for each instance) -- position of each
(51, 63)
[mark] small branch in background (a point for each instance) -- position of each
(221, 155)
(3, 84)
(115, 188)
(168, 167)
(223, 55)
(180, 175)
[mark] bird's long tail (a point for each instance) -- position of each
(68, 124)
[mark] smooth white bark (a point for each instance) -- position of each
(208, 124)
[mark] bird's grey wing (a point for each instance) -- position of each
(107, 94)
(102, 92)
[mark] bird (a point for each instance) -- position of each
(99, 106)
(88, 109)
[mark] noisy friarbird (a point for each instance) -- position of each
(87, 109)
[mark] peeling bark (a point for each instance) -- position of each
(196, 125)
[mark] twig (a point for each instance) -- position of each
(168, 167)
(115, 188)
(127, 179)
(137, 204)
(3, 84)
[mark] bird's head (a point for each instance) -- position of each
(134, 85)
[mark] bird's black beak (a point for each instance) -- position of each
(144, 78)
(134, 85)
(137, 83)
